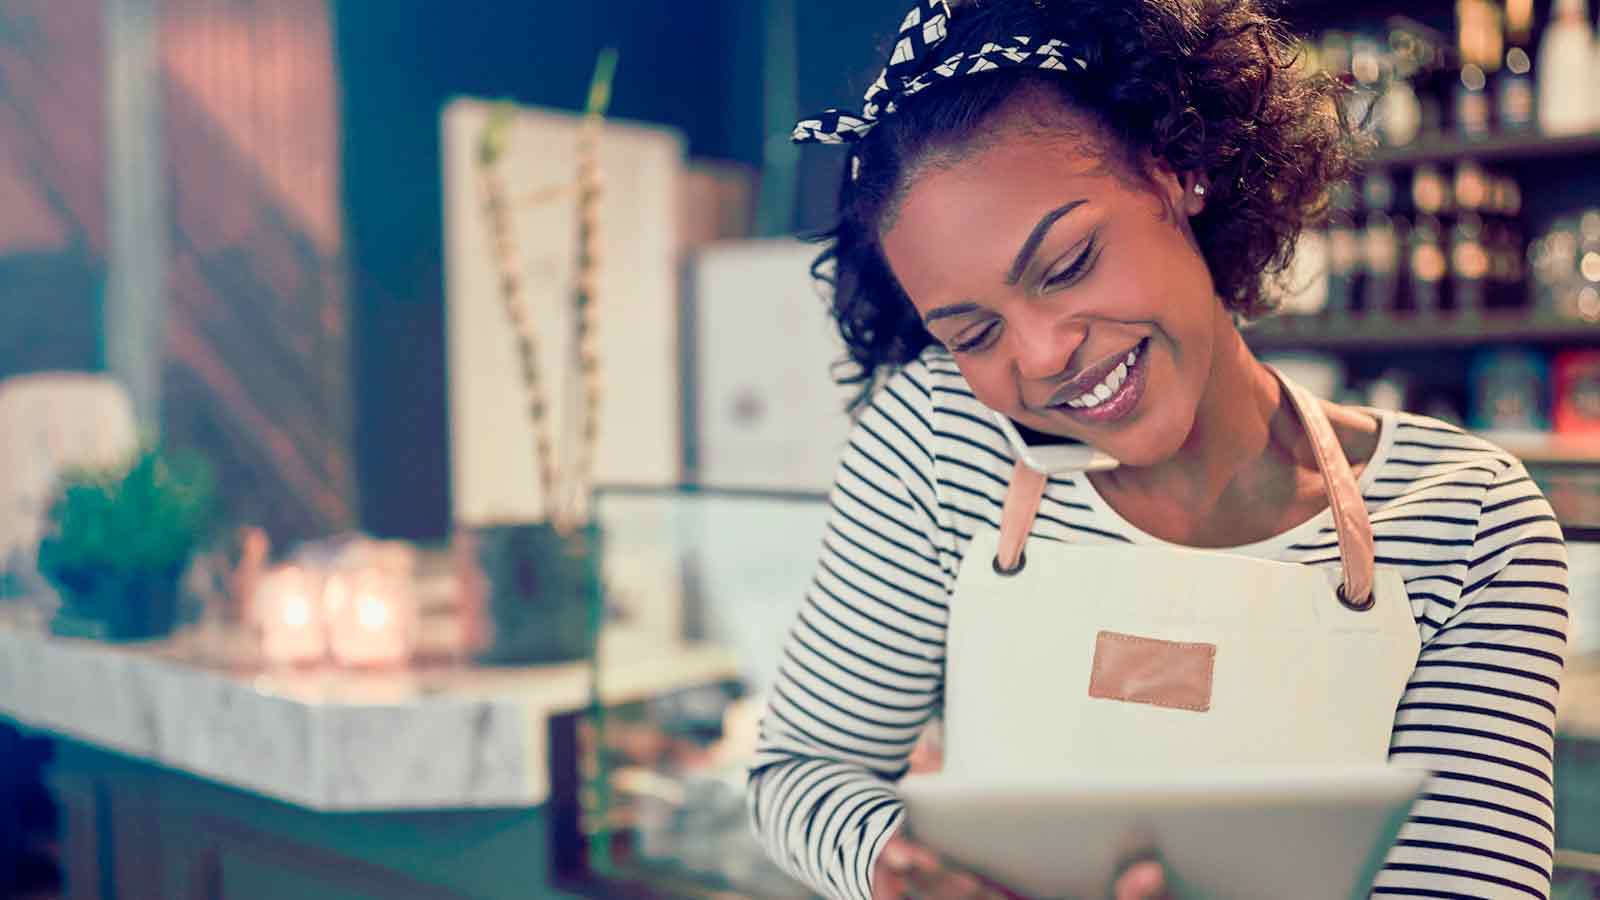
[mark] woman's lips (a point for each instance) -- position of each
(1122, 401)
(1088, 379)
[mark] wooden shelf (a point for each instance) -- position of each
(1499, 148)
(1289, 332)
(1551, 449)
(1578, 861)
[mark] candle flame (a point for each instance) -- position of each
(372, 612)
(297, 611)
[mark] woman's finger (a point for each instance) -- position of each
(946, 884)
(1142, 881)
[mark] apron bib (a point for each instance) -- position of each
(1062, 658)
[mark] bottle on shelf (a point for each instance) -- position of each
(1367, 73)
(1469, 265)
(1594, 84)
(1427, 261)
(1344, 250)
(1586, 303)
(1565, 80)
(1400, 109)
(1472, 187)
(1479, 43)
(1469, 255)
(1504, 241)
(1436, 80)
(1383, 234)
(1514, 90)
(1334, 56)
(1554, 261)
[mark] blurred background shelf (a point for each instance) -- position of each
(1493, 149)
(1383, 332)
(1551, 449)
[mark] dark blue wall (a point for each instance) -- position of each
(402, 61)
(693, 65)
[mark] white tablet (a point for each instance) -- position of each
(1311, 834)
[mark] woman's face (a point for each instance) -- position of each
(1045, 267)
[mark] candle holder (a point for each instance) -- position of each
(287, 615)
(372, 617)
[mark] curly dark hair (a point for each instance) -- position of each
(1207, 86)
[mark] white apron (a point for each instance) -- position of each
(1117, 657)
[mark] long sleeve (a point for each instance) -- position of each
(1480, 712)
(862, 667)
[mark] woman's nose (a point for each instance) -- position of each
(1044, 348)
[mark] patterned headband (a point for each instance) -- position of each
(911, 69)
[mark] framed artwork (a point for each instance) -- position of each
(767, 412)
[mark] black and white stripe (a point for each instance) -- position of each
(1479, 549)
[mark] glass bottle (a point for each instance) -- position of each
(1565, 97)
(1514, 93)
(1428, 262)
(1345, 266)
(1382, 238)
(1469, 265)
(1366, 72)
(1478, 42)
(1400, 109)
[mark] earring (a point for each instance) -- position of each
(1199, 190)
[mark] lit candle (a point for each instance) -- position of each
(287, 612)
(372, 617)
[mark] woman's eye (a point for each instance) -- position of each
(1073, 272)
(977, 341)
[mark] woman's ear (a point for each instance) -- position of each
(1183, 191)
(1194, 188)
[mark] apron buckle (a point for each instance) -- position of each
(1022, 560)
(1356, 605)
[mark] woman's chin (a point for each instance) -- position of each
(1144, 447)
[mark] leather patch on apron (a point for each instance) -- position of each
(1145, 670)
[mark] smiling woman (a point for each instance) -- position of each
(1057, 212)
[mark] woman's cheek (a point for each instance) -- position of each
(992, 388)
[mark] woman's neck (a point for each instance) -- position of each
(1242, 446)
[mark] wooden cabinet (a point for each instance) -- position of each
(134, 831)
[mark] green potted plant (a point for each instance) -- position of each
(117, 541)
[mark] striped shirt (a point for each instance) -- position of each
(860, 674)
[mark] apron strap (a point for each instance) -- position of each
(1357, 555)
(1356, 551)
(1016, 518)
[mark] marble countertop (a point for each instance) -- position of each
(447, 737)
(1578, 711)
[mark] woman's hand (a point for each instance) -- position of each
(907, 869)
(1142, 881)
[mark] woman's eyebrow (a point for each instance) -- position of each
(1018, 265)
(950, 312)
(1031, 245)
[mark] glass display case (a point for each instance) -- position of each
(655, 806)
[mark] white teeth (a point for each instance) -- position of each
(1118, 376)
(1105, 389)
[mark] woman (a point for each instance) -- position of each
(1057, 210)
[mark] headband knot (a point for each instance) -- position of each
(913, 68)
